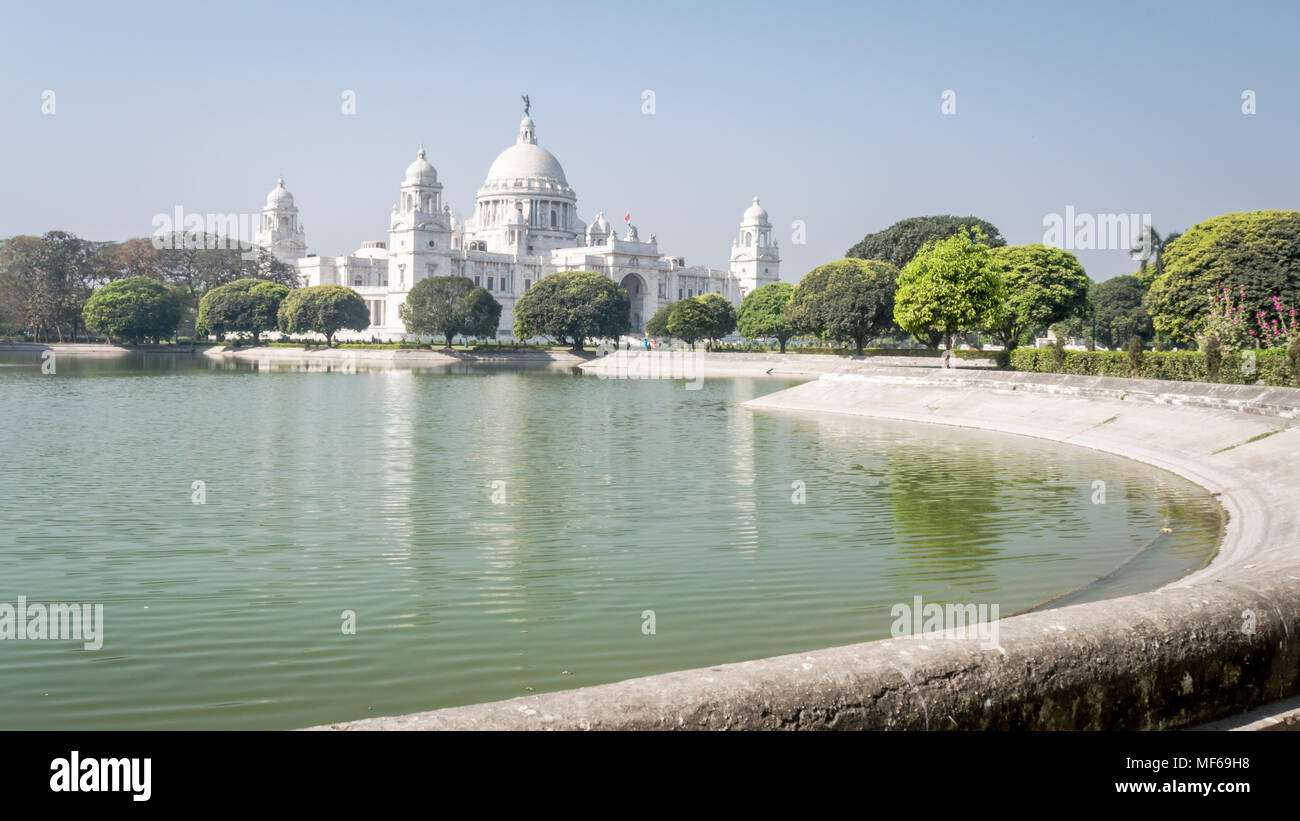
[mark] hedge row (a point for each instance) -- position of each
(1272, 367)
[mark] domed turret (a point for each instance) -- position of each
(420, 172)
(279, 196)
(755, 214)
(280, 230)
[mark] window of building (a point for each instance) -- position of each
(489, 283)
(679, 293)
(356, 282)
(555, 219)
(527, 284)
(476, 282)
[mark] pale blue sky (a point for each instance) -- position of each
(830, 112)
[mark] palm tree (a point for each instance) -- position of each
(1150, 242)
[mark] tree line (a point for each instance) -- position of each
(46, 281)
(1230, 282)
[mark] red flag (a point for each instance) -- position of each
(627, 217)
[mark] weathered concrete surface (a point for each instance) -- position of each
(399, 357)
(70, 348)
(1279, 715)
(394, 357)
(1216, 643)
(688, 364)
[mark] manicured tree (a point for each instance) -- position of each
(763, 313)
(1258, 251)
(1135, 356)
(324, 309)
(723, 313)
(243, 306)
(1044, 286)
(852, 299)
(898, 243)
(133, 309)
(572, 306)
(949, 287)
(450, 306)
(691, 320)
(482, 314)
(658, 324)
(1118, 309)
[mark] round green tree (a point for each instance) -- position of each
(898, 243)
(847, 300)
(450, 306)
(723, 313)
(1043, 286)
(658, 324)
(573, 306)
(1258, 251)
(691, 320)
(244, 306)
(1119, 312)
(949, 287)
(133, 310)
(324, 309)
(762, 313)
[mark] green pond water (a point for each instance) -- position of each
(380, 493)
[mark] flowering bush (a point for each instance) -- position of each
(1280, 330)
(1228, 321)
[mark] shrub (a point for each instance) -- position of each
(1272, 367)
(1135, 355)
(1058, 355)
(1213, 358)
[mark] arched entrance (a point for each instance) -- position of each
(636, 291)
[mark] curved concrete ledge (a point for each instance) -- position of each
(394, 357)
(1219, 642)
(399, 357)
(689, 364)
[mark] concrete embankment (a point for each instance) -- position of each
(691, 364)
(394, 357)
(1214, 644)
(398, 357)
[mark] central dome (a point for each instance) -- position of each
(527, 161)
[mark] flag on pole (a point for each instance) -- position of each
(627, 217)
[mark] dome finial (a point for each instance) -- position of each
(421, 154)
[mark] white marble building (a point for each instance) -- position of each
(525, 226)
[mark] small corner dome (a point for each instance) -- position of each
(279, 195)
(755, 212)
(421, 171)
